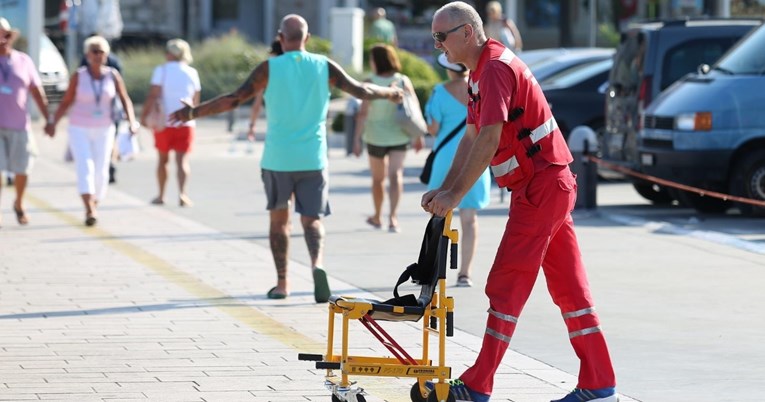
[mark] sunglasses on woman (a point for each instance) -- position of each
(441, 36)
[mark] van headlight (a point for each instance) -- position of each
(699, 121)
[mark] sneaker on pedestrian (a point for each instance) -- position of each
(461, 391)
(464, 281)
(591, 395)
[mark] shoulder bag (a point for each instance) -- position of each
(409, 115)
(428, 168)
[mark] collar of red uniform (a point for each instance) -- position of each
(486, 53)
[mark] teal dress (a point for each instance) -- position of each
(449, 112)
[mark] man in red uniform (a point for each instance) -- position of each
(510, 127)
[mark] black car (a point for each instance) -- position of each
(576, 95)
(650, 57)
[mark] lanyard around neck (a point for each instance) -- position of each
(98, 90)
(5, 68)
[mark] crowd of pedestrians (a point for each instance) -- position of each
(489, 116)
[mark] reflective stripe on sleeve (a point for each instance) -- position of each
(503, 338)
(579, 313)
(507, 56)
(527, 75)
(503, 317)
(585, 331)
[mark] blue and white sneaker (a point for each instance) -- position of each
(591, 395)
(461, 391)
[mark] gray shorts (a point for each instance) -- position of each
(311, 189)
(17, 149)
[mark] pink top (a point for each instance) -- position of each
(92, 105)
(17, 75)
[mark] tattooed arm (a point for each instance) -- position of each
(339, 78)
(256, 82)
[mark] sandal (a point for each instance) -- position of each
(21, 216)
(185, 201)
(157, 201)
(91, 220)
(275, 296)
(372, 223)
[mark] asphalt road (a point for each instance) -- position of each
(678, 293)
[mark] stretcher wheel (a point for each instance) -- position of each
(359, 398)
(432, 397)
(415, 393)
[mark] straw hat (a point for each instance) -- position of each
(443, 62)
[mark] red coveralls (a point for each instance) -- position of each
(532, 160)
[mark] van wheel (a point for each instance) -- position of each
(748, 181)
(705, 205)
(653, 192)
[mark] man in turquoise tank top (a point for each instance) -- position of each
(294, 162)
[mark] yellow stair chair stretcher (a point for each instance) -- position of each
(433, 306)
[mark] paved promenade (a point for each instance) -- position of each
(150, 305)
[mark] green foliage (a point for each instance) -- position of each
(318, 45)
(416, 68)
(608, 34)
(225, 62)
(138, 65)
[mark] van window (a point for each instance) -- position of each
(628, 62)
(748, 57)
(688, 56)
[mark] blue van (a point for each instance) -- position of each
(708, 130)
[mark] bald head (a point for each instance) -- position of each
(379, 13)
(294, 28)
(458, 12)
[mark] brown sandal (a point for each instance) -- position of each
(21, 216)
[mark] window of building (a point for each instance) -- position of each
(225, 10)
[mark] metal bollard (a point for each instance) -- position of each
(349, 124)
(583, 142)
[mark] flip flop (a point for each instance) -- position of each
(321, 292)
(21, 216)
(372, 223)
(275, 296)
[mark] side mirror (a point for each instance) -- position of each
(703, 69)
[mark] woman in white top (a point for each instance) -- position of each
(500, 28)
(174, 83)
(88, 100)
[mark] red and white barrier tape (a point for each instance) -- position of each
(667, 183)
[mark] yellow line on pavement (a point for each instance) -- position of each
(248, 315)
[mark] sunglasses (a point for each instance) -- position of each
(97, 51)
(7, 35)
(441, 36)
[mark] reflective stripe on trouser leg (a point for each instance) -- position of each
(570, 290)
(508, 286)
(496, 339)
